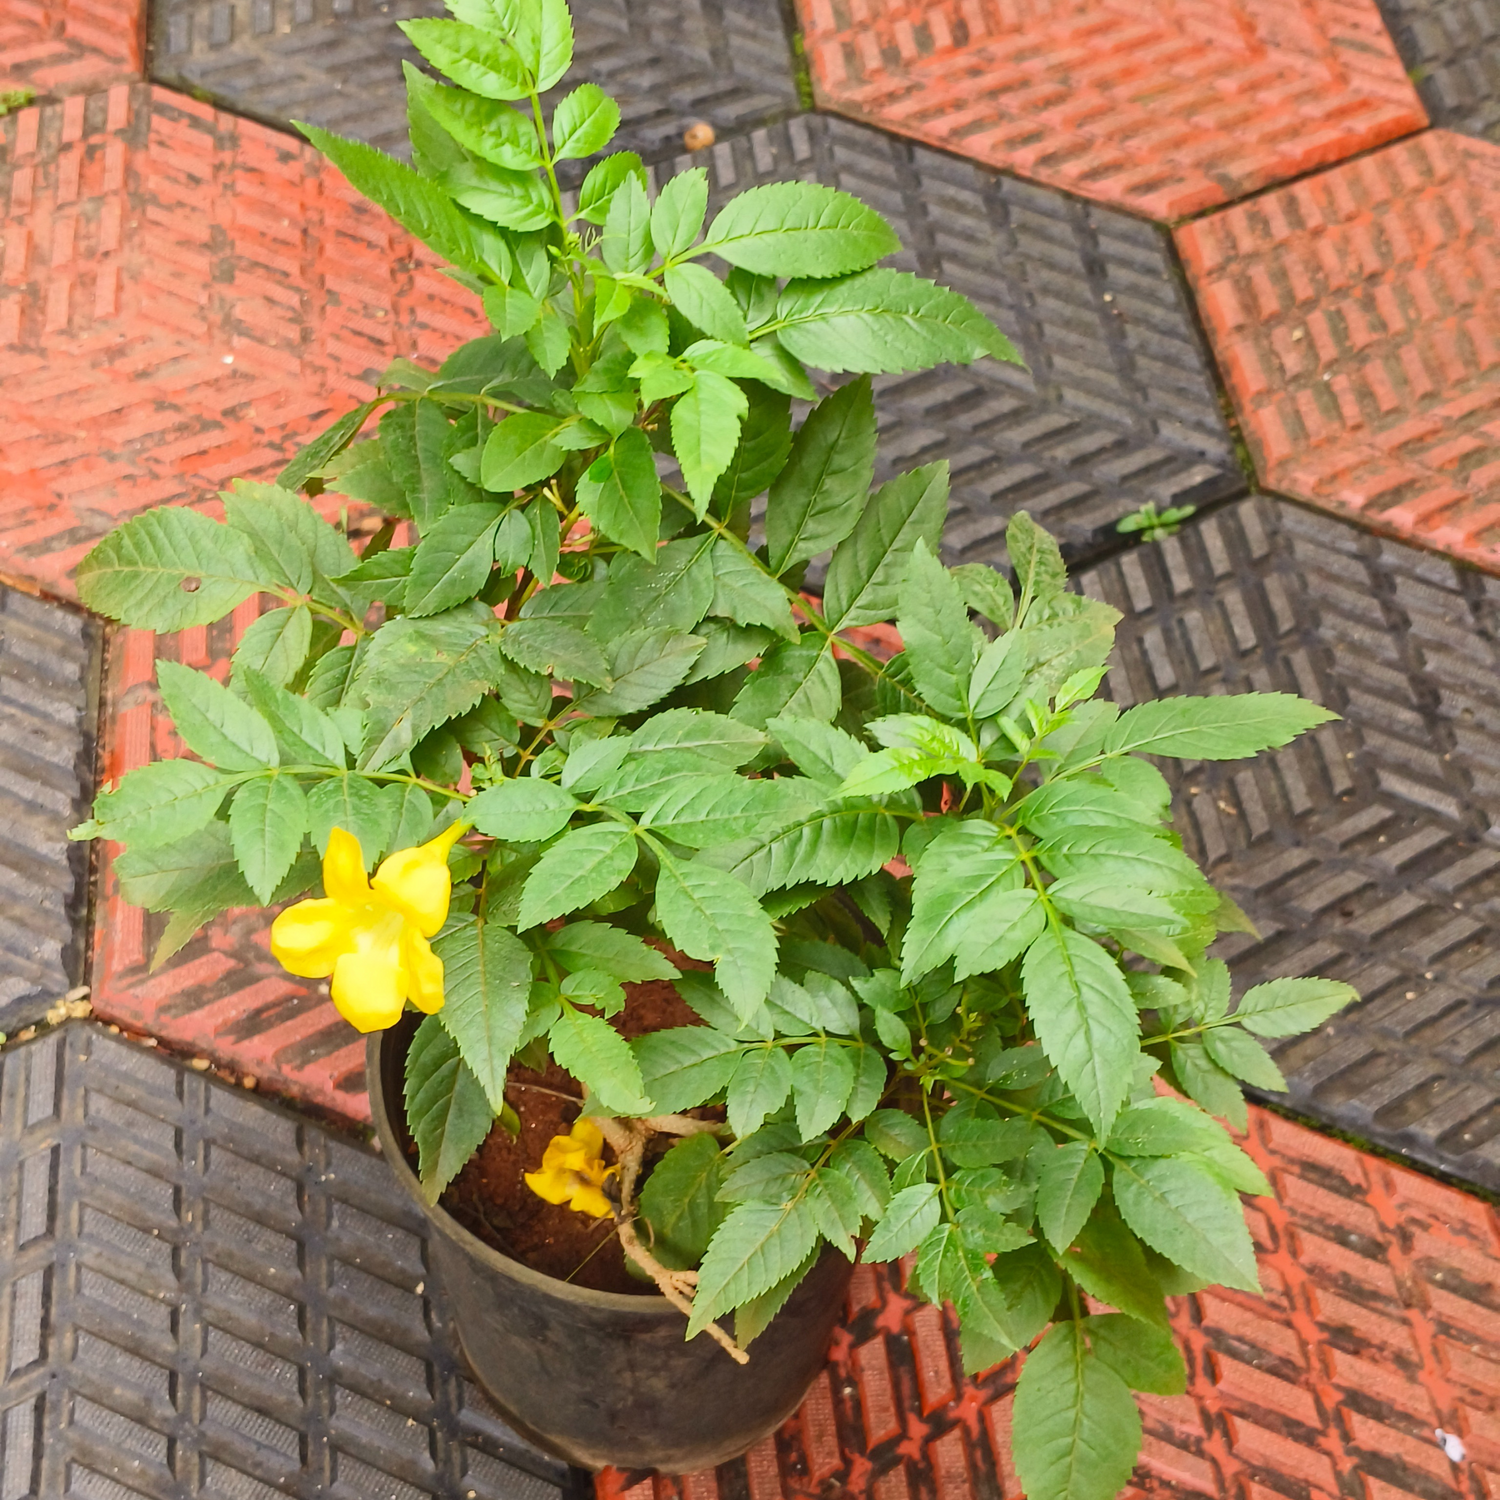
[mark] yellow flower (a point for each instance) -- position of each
(371, 934)
(573, 1171)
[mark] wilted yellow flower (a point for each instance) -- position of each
(371, 934)
(573, 1171)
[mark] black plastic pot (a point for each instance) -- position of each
(599, 1377)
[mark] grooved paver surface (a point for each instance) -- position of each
(1117, 404)
(1356, 318)
(49, 706)
(1452, 50)
(205, 1296)
(1368, 851)
(1165, 107)
(337, 63)
(69, 46)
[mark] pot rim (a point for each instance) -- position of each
(642, 1303)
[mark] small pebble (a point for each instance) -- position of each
(699, 136)
(26, 1033)
(249, 1081)
(200, 1065)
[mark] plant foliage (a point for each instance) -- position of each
(940, 938)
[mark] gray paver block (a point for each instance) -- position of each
(1452, 50)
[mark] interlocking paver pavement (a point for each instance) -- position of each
(1117, 405)
(1165, 107)
(337, 63)
(1356, 318)
(69, 46)
(49, 709)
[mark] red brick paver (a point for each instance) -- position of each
(1167, 107)
(68, 46)
(1356, 317)
(1380, 1324)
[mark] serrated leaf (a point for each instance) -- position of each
(275, 645)
(620, 954)
(758, 1245)
(1075, 1428)
(1163, 1127)
(686, 1065)
(1070, 1178)
(966, 890)
(758, 1086)
(909, 1217)
(705, 432)
(522, 450)
(1107, 1261)
(169, 569)
(524, 810)
(621, 493)
(476, 59)
(646, 666)
(1287, 1007)
(865, 572)
(1145, 1358)
(712, 916)
(603, 181)
(304, 733)
(330, 442)
(357, 806)
(795, 679)
(765, 442)
(680, 1201)
(415, 203)
(446, 1107)
(158, 804)
(453, 560)
(704, 301)
(583, 122)
(487, 990)
(1217, 728)
(715, 737)
(490, 128)
(822, 1078)
(884, 322)
(213, 723)
(1183, 1210)
(833, 848)
(942, 645)
(816, 499)
(626, 243)
(705, 811)
(266, 822)
(598, 1056)
(744, 593)
(677, 214)
(418, 674)
(1084, 1018)
(799, 229)
(1244, 1058)
(582, 866)
(1041, 575)
(554, 648)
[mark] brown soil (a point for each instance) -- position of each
(490, 1199)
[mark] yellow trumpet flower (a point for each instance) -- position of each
(371, 934)
(573, 1171)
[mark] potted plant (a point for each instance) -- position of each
(717, 933)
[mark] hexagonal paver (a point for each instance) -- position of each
(1165, 107)
(1356, 317)
(337, 63)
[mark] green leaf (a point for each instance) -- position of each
(621, 493)
(621, 955)
(758, 1086)
(330, 442)
(715, 737)
(1244, 1058)
(305, 735)
(1107, 1261)
(973, 1135)
(521, 451)
(512, 200)
(1075, 1428)
(1203, 1080)
(1163, 1127)
(942, 645)
(704, 301)
(1287, 1007)
(1069, 1180)
(910, 1216)
(677, 214)
(604, 180)
(487, 991)
(266, 822)
(997, 675)
(1084, 1018)
(582, 866)
(544, 38)
(816, 499)
(986, 592)
(478, 60)
(799, 229)
(626, 243)
(598, 1056)
(523, 811)
(1041, 575)
(1182, 1209)
(169, 569)
(453, 560)
(583, 122)
(884, 322)
(357, 806)
(686, 1065)
(757, 1246)
(489, 128)
(445, 1107)
(295, 546)
(705, 431)
(712, 916)
(1217, 728)
(795, 679)
(418, 674)
(1145, 1358)
(213, 723)
(554, 648)
(833, 848)
(680, 1201)
(158, 803)
(420, 206)
(672, 588)
(820, 1003)
(867, 567)
(275, 645)
(647, 665)
(822, 1080)
(705, 811)
(765, 441)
